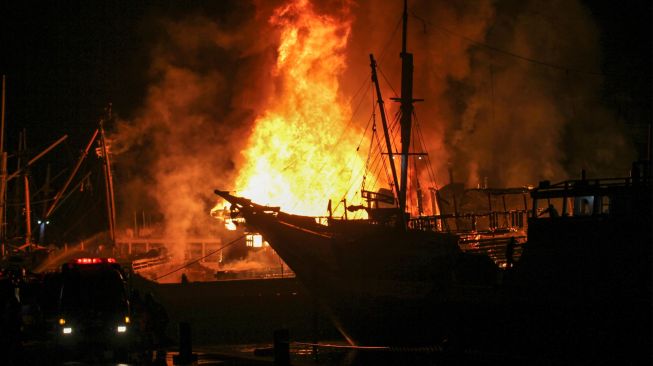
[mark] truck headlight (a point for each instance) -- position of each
(67, 330)
(122, 328)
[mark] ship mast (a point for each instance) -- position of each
(406, 110)
(384, 122)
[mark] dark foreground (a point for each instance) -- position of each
(331, 354)
(234, 323)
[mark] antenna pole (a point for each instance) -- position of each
(28, 212)
(111, 206)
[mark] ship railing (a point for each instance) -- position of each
(490, 221)
(640, 176)
(589, 197)
(494, 222)
(583, 187)
(268, 273)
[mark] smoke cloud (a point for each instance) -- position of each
(185, 140)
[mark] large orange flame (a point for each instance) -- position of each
(299, 156)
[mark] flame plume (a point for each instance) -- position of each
(298, 156)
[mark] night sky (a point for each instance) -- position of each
(626, 32)
(66, 60)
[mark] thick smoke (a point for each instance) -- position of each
(512, 89)
(206, 80)
(486, 114)
(524, 121)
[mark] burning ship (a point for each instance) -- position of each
(387, 279)
(392, 279)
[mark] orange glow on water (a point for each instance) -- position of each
(298, 156)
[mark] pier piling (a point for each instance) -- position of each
(281, 347)
(186, 355)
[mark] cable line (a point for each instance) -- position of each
(508, 53)
(199, 259)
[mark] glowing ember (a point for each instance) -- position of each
(299, 156)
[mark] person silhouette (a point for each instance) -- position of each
(551, 210)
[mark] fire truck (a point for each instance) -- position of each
(93, 310)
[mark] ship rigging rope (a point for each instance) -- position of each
(92, 205)
(504, 52)
(386, 80)
(370, 122)
(344, 196)
(199, 259)
(376, 171)
(383, 167)
(395, 127)
(420, 138)
(377, 168)
(360, 173)
(373, 166)
(387, 44)
(415, 186)
(369, 150)
(79, 221)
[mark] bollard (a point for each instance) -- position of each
(281, 347)
(186, 355)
